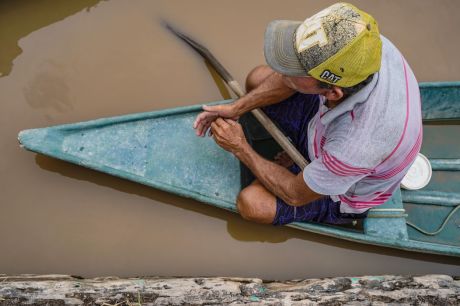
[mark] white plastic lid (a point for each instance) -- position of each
(419, 174)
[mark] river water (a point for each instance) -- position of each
(63, 61)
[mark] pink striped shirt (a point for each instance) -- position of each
(362, 148)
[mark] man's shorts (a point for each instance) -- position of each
(292, 116)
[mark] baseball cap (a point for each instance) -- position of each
(340, 45)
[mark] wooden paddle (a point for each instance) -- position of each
(279, 137)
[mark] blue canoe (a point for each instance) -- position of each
(160, 149)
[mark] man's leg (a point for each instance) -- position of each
(255, 203)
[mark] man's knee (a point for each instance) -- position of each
(256, 76)
(244, 207)
(253, 207)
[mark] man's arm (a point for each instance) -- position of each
(272, 90)
(291, 188)
(279, 180)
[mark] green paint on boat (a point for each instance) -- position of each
(160, 149)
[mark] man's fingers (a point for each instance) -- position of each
(217, 138)
(205, 129)
(203, 116)
(231, 121)
(215, 128)
(215, 108)
(211, 108)
(209, 123)
(220, 120)
(202, 127)
(199, 127)
(198, 119)
(202, 122)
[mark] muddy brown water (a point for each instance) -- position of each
(64, 62)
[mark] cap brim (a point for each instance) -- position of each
(279, 48)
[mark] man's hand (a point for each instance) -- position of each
(203, 120)
(229, 135)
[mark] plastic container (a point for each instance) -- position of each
(419, 174)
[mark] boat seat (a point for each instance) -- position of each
(387, 220)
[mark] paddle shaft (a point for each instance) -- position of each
(279, 137)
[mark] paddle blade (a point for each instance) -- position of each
(203, 51)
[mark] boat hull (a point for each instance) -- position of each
(160, 149)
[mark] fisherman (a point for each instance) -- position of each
(349, 102)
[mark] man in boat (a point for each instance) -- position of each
(349, 102)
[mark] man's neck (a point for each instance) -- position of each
(331, 104)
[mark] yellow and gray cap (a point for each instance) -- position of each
(340, 45)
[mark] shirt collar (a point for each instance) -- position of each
(349, 103)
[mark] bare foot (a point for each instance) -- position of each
(283, 159)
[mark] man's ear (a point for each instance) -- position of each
(334, 93)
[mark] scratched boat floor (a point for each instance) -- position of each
(64, 63)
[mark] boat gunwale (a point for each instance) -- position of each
(125, 118)
(446, 84)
